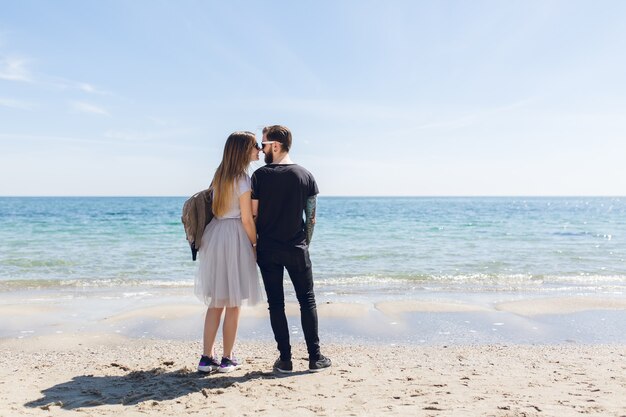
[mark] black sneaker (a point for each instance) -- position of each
(228, 364)
(208, 364)
(284, 367)
(319, 365)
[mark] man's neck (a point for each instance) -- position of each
(283, 160)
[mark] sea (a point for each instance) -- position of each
(122, 265)
(362, 246)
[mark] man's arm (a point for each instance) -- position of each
(309, 211)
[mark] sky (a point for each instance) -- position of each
(384, 98)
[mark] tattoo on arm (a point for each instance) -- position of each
(311, 205)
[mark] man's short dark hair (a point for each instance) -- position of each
(278, 134)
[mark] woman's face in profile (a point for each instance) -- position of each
(254, 153)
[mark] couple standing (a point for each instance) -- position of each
(269, 206)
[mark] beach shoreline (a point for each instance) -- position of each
(100, 374)
(420, 318)
(101, 352)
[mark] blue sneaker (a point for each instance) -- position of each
(228, 365)
(208, 364)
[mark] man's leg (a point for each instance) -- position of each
(272, 274)
(301, 273)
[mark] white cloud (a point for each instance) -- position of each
(14, 69)
(327, 108)
(162, 122)
(15, 104)
(89, 88)
(83, 107)
(67, 84)
(109, 140)
(48, 139)
(144, 136)
(465, 119)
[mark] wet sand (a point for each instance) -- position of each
(432, 356)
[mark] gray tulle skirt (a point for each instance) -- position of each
(227, 274)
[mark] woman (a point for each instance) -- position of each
(227, 275)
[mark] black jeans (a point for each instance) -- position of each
(298, 264)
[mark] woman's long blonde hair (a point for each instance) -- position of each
(237, 151)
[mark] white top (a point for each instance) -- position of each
(241, 185)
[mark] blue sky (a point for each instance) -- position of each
(383, 97)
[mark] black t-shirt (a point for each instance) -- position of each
(282, 191)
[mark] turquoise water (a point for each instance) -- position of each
(372, 244)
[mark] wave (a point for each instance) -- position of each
(37, 263)
(369, 282)
(32, 284)
(480, 282)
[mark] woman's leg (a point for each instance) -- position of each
(231, 322)
(211, 324)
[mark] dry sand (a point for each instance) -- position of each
(96, 375)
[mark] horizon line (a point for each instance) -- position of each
(348, 196)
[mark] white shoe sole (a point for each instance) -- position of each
(207, 369)
(319, 370)
(227, 370)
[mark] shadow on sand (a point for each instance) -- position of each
(157, 384)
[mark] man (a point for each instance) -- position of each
(281, 192)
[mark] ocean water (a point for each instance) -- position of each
(375, 245)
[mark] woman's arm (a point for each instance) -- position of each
(245, 205)
(255, 209)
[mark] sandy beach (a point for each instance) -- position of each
(140, 360)
(105, 375)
